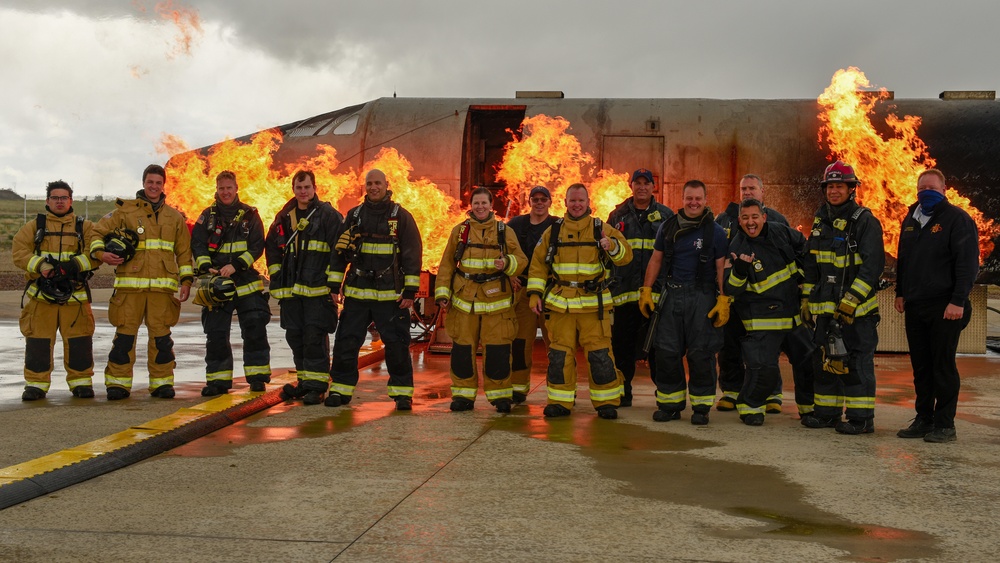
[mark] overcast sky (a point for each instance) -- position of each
(90, 87)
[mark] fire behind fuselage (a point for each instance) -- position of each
(457, 143)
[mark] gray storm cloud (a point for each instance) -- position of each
(714, 48)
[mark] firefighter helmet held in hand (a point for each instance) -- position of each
(122, 243)
(214, 291)
(56, 289)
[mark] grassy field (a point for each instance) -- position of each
(15, 213)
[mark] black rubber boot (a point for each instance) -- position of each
(607, 412)
(459, 404)
(555, 410)
(32, 394)
(164, 392)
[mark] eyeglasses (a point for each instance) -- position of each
(539, 199)
(58, 198)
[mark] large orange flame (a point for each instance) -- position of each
(888, 168)
(191, 184)
(547, 155)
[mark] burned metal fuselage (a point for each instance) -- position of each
(457, 143)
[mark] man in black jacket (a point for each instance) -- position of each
(226, 240)
(938, 264)
(299, 250)
(842, 269)
(382, 245)
(764, 282)
(638, 218)
(731, 365)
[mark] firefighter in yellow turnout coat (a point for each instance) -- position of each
(52, 251)
(474, 279)
(145, 285)
(568, 278)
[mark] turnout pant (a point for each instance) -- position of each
(126, 312)
(39, 323)
(761, 349)
(684, 330)
(732, 368)
(393, 324)
(856, 389)
(933, 342)
(568, 331)
(254, 314)
(627, 336)
(495, 332)
(308, 322)
(523, 346)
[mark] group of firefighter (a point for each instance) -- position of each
(653, 284)
(308, 248)
(648, 283)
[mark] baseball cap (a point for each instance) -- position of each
(642, 173)
(540, 190)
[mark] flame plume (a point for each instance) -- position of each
(187, 22)
(191, 184)
(546, 155)
(888, 168)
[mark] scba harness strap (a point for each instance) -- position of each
(392, 238)
(41, 233)
(596, 285)
(463, 243)
(671, 230)
(218, 228)
(59, 288)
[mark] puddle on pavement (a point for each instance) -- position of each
(224, 441)
(654, 465)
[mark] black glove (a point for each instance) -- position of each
(741, 268)
(69, 268)
(203, 269)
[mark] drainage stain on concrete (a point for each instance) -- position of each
(654, 465)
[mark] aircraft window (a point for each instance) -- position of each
(310, 127)
(322, 124)
(349, 126)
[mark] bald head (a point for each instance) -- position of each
(376, 185)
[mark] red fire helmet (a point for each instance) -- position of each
(839, 172)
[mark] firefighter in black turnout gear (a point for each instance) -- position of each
(638, 218)
(842, 268)
(764, 281)
(298, 248)
(382, 244)
(731, 365)
(226, 240)
(52, 251)
(689, 257)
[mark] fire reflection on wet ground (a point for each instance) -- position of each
(652, 463)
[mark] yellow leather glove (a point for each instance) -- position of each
(721, 311)
(344, 242)
(646, 304)
(534, 301)
(846, 308)
(807, 317)
(836, 367)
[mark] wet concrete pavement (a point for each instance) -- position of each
(363, 482)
